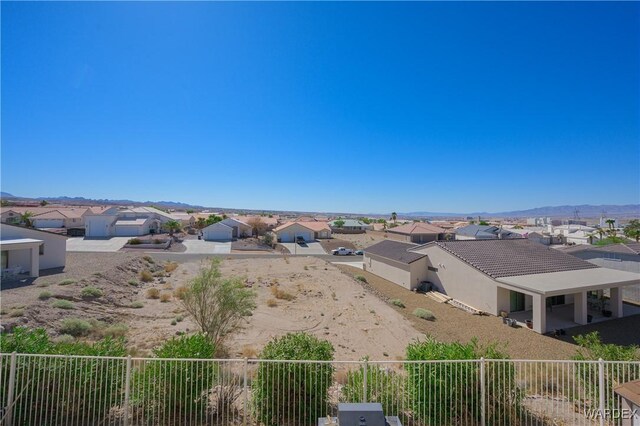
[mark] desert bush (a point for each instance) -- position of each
(133, 282)
(397, 302)
(148, 259)
(447, 393)
(383, 385)
(146, 276)
(361, 278)
(15, 313)
(90, 392)
(278, 293)
(75, 327)
(272, 303)
(153, 293)
(424, 314)
(218, 305)
(157, 241)
(115, 330)
(66, 282)
(165, 297)
(174, 322)
(134, 241)
(276, 384)
(191, 382)
(179, 318)
(45, 295)
(62, 304)
(136, 305)
(89, 292)
(179, 292)
(170, 267)
(268, 239)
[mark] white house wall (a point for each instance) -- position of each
(99, 226)
(55, 247)
(396, 272)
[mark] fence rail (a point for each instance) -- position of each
(84, 390)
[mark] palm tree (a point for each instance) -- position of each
(610, 222)
(25, 219)
(601, 232)
(612, 232)
(172, 226)
(394, 216)
(590, 236)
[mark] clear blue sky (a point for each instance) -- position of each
(362, 107)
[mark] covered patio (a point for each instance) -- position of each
(20, 255)
(576, 286)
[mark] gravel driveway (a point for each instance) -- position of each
(107, 245)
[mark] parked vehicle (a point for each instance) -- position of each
(359, 252)
(300, 240)
(342, 251)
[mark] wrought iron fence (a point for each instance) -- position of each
(83, 390)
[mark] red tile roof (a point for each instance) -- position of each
(416, 228)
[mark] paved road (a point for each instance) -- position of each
(186, 257)
(96, 245)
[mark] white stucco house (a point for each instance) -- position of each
(522, 278)
(125, 222)
(29, 250)
(217, 232)
(309, 231)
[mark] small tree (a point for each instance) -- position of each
(394, 216)
(268, 239)
(277, 385)
(201, 223)
(610, 222)
(218, 305)
(632, 230)
(25, 219)
(483, 223)
(213, 219)
(258, 227)
(44, 203)
(172, 226)
(338, 223)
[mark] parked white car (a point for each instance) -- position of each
(342, 251)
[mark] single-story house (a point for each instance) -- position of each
(238, 227)
(516, 276)
(60, 218)
(30, 250)
(137, 227)
(483, 232)
(349, 226)
(418, 232)
(125, 222)
(309, 231)
(218, 232)
(393, 261)
(624, 257)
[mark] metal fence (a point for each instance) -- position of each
(83, 390)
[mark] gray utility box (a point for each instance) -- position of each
(361, 414)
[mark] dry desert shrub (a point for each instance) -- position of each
(165, 297)
(153, 293)
(272, 303)
(170, 267)
(249, 352)
(179, 292)
(281, 294)
(146, 276)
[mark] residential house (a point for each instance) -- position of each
(218, 232)
(30, 250)
(393, 261)
(418, 232)
(125, 222)
(515, 276)
(483, 232)
(349, 226)
(309, 231)
(624, 257)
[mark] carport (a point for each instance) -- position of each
(574, 284)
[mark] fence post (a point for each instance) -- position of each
(601, 389)
(483, 392)
(11, 390)
(245, 402)
(127, 391)
(365, 369)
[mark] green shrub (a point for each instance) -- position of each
(45, 295)
(62, 304)
(276, 385)
(89, 391)
(191, 385)
(383, 385)
(136, 305)
(174, 322)
(66, 282)
(90, 292)
(361, 278)
(397, 302)
(134, 241)
(75, 327)
(424, 314)
(133, 282)
(447, 393)
(148, 259)
(115, 330)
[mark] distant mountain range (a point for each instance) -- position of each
(584, 210)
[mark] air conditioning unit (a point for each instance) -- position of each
(360, 414)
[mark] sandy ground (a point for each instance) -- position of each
(362, 241)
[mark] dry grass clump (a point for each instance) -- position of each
(146, 276)
(180, 292)
(361, 278)
(45, 295)
(281, 294)
(89, 292)
(249, 352)
(170, 267)
(272, 303)
(115, 330)
(62, 304)
(15, 313)
(397, 302)
(136, 305)
(424, 314)
(66, 282)
(153, 293)
(165, 297)
(148, 259)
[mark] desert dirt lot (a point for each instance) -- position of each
(362, 241)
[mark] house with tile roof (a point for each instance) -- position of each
(349, 226)
(522, 278)
(309, 231)
(624, 257)
(418, 232)
(483, 232)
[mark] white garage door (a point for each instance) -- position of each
(128, 231)
(96, 230)
(289, 237)
(217, 234)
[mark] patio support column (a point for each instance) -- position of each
(616, 302)
(34, 271)
(580, 307)
(539, 313)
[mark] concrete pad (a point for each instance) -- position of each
(308, 248)
(206, 247)
(96, 245)
(358, 265)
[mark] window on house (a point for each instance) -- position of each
(431, 268)
(41, 249)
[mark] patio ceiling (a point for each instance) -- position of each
(567, 282)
